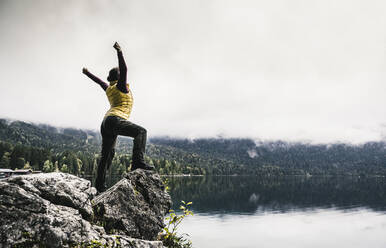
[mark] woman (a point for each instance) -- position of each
(116, 121)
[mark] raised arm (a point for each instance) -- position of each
(95, 79)
(121, 85)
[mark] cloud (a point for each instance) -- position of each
(263, 69)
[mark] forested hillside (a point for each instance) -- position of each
(289, 158)
(46, 148)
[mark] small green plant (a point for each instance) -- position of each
(90, 244)
(169, 237)
(166, 183)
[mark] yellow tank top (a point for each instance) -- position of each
(120, 103)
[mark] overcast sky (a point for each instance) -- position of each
(298, 70)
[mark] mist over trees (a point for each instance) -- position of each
(279, 157)
(46, 148)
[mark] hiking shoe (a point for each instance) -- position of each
(100, 188)
(142, 165)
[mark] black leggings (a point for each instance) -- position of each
(111, 127)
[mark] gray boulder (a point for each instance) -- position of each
(55, 210)
(60, 189)
(135, 206)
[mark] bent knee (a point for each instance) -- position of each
(142, 131)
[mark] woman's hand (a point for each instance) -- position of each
(117, 47)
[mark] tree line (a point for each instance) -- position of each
(46, 148)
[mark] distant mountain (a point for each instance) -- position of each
(26, 144)
(316, 159)
(45, 136)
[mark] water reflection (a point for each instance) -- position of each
(301, 212)
(253, 195)
(358, 228)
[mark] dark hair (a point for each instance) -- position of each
(113, 74)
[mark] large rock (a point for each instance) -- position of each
(60, 189)
(135, 206)
(55, 210)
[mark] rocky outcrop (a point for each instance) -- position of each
(62, 210)
(135, 206)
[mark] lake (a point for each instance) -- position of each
(249, 211)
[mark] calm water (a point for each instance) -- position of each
(287, 212)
